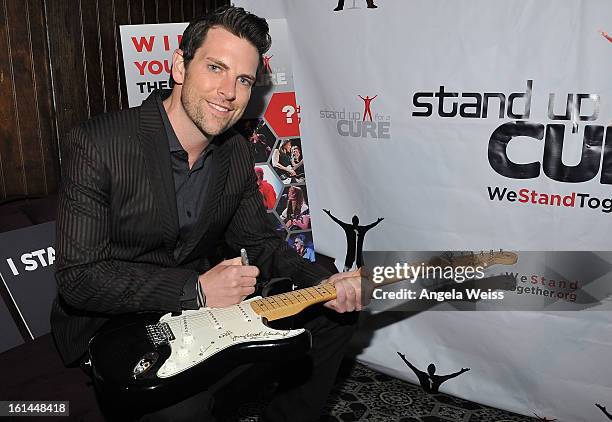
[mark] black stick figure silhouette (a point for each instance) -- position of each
(340, 5)
(354, 239)
(603, 409)
(428, 380)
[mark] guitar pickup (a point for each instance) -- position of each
(159, 334)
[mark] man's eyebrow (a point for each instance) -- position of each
(218, 62)
(222, 65)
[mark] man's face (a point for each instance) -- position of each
(299, 246)
(216, 84)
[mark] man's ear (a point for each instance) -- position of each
(178, 67)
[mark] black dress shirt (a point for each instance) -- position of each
(190, 186)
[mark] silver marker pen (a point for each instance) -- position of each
(243, 256)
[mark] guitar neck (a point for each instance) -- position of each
(291, 303)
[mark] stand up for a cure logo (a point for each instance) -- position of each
(367, 110)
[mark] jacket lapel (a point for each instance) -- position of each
(221, 164)
(152, 136)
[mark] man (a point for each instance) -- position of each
(266, 189)
(297, 163)
(300, 247)
(281, 160)
(149, 194)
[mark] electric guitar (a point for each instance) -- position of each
(153, 357)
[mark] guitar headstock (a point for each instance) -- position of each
(483, 259)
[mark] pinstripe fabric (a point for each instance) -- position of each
(117, 226)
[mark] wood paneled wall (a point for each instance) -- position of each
(60, 64)
(28, 152)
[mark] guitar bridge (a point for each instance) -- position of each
(159, 333)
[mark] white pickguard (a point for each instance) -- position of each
(201, 333)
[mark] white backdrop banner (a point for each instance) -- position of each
(466, 125)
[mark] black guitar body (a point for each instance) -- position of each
(125, 362)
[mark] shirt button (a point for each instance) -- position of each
(189, 214)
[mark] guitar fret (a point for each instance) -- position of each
(287, 297)
(261, 303)
(307, 290)
(317, 288)
(273, 302)
(299, 296)
(285, 303)
(267, 304)
(315, 292)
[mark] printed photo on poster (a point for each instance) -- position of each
(288, 162)
(259, 136)
(303, 245)
(269, 185)
(275, 222)
(293, 208)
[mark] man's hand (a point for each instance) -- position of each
(228, 283)
(349, 290)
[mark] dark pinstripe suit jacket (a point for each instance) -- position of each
(117, 228)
